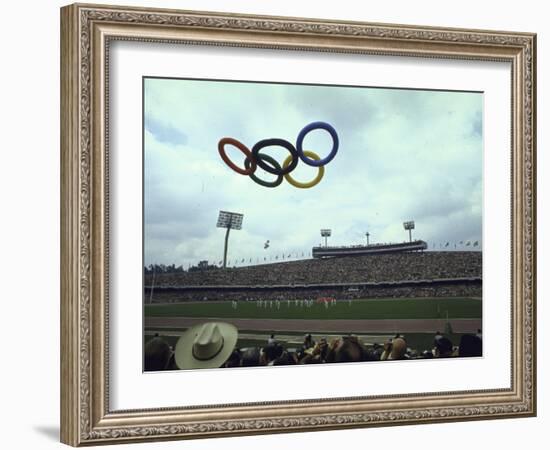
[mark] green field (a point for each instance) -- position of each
(390, 308)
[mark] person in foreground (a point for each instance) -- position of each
(214, 344)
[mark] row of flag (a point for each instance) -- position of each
(298, 255)
(266, 259)
(463, 243)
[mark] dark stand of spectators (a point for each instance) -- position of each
(159, 356)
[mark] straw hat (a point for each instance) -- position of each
(206, 345)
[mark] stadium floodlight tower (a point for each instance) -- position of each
(326, 233)
(409, 225)
(229, 221)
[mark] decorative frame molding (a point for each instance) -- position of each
(86, 31)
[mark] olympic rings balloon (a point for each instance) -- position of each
(309, 184)
(254, 159)
(276, 165)
(317, 126)
(242, 148)
(279, 143)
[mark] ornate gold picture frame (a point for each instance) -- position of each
(87, 34)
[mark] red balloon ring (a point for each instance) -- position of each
(243, 148)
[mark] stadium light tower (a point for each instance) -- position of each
(409, 225)
(326, 233)
(229, 221)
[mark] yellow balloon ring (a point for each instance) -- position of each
(309, 184)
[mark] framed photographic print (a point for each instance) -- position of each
(341, 212)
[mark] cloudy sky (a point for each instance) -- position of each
(404, 155)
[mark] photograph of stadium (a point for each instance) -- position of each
(295, 224)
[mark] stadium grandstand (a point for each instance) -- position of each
(372, 275)
(358, 250)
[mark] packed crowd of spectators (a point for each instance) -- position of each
(160, 356)
(431, 289)
(412, 266)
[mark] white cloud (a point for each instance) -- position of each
(403, 154)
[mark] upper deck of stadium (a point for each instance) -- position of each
(358, 250)
(374, 268)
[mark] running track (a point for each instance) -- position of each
(324, 326)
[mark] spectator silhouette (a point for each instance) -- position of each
(157, 354)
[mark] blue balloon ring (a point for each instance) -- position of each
(316, 126)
